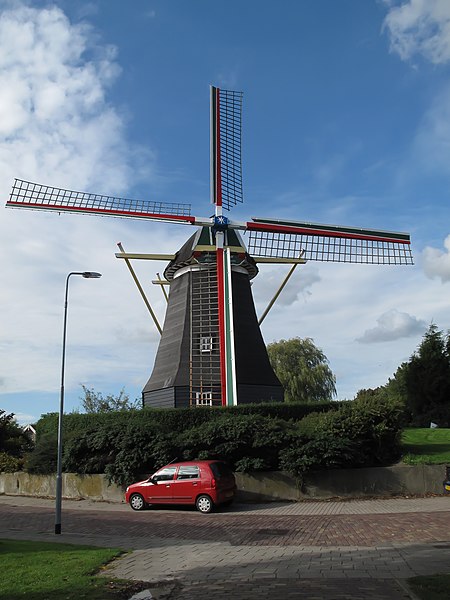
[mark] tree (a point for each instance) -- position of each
(303, 370)
(94, 402)
(428, 378)
(13, 440)
(424, 381)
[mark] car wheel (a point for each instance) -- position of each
(137, 502)
(204, 504)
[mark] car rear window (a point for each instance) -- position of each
(221, 469)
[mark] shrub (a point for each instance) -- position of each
(324, 451)
(367, 429)
(10, 464)
(42, 460)
(13, 440)
(127, 444)
(177, 419)
(242, 440)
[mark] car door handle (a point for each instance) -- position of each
(168, 485)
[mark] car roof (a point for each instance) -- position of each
(191, 463)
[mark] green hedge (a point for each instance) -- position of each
(364, 432)
(179, 419)
(125, 444)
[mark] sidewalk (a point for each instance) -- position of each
(323, 507)
(363, 549)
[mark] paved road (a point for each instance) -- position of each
(313, 550)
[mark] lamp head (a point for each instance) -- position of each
(91, 275)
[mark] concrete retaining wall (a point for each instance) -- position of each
(258, 486)
(343, 483)
(94, 487)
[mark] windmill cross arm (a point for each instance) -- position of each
(104, 212)
(139, 256)
(297, 227)
(279, 261)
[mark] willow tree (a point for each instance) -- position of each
(303, 370)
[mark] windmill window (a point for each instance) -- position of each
(206, 344)
(203, 398)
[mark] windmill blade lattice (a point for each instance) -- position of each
(36, 196)
(226, 167)
(327, 243)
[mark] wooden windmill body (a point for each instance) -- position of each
(187, 369)
(211, 350)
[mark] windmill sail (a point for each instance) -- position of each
(36, 196)
(226, 162)
(327, 243)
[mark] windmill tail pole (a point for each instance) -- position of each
(276, 296)
(144, 297)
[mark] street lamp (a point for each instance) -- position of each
(86, 275)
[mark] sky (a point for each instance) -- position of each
(346, 121)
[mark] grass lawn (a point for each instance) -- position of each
(426, 446)
(53, 571)
(436, 587)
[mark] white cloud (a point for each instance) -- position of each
(393, 325)
(24, 419)
(436, 263)
(431, 142)
(420, 27)
(58, 127)
(55, 121)
(266, 285)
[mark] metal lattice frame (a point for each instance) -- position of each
(328, 249)
(26, 194)
(230, 115)
(204, 324)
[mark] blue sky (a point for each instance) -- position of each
(346, 121)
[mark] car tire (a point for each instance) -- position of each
(137, 502)
(204, 504)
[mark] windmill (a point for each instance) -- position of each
(211, 350)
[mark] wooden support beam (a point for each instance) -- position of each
(136, 280)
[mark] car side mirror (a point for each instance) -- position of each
(153, 480)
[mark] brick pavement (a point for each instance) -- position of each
(257, 552)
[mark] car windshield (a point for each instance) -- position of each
(221, 469)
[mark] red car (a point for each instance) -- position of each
(203, 483)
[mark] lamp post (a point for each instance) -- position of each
(86, 275)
